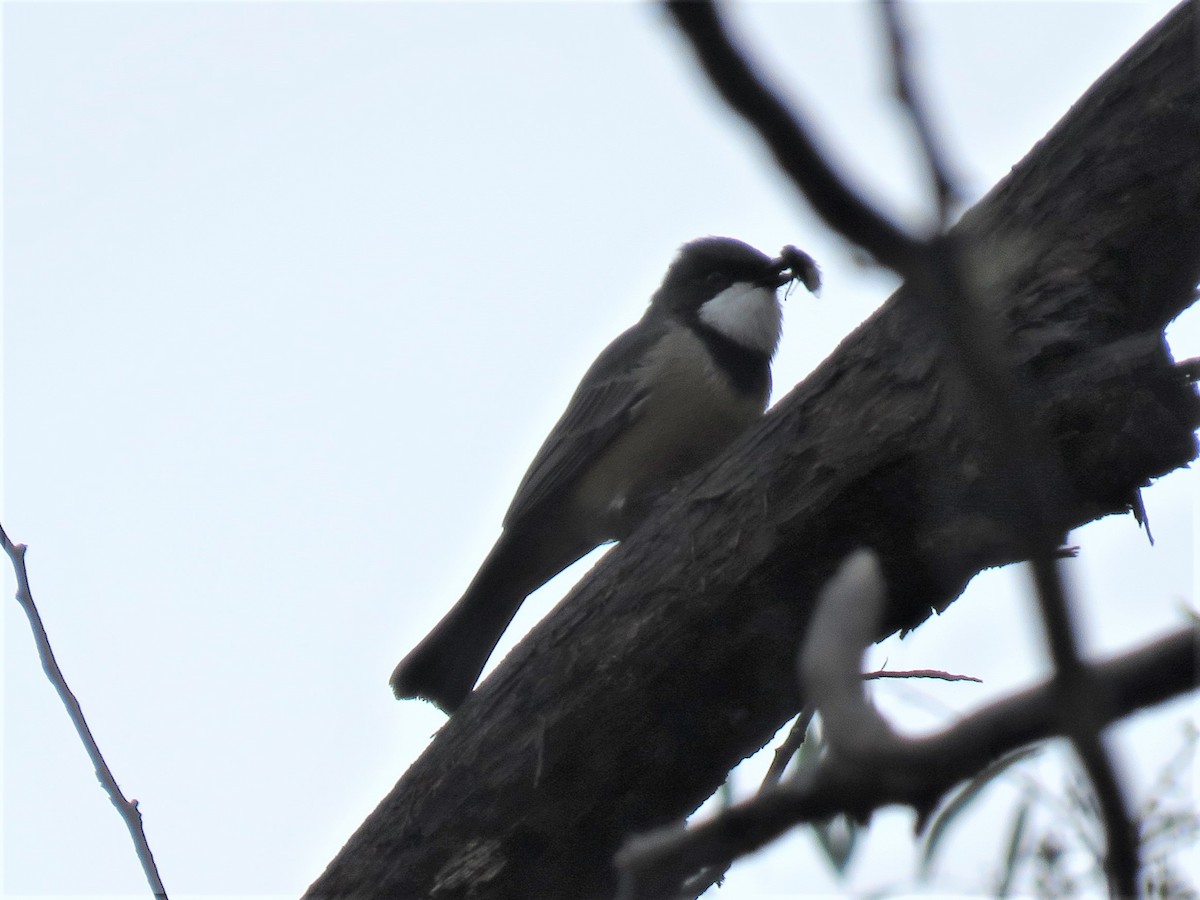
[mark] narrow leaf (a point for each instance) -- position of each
(837, 838)
(962, 799)
(1015, 839)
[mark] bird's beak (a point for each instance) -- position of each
(780, 279)
(778, 273)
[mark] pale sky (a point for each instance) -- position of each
(293, 292)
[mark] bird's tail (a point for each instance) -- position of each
(446, 664)
(444, 667)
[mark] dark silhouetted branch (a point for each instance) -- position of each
(945, 192)
(787, 139)
(940, 271)
(867, 765)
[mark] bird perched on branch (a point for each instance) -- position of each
(662, 399)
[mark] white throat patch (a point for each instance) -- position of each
(748, 314)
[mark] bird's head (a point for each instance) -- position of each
(732, 288)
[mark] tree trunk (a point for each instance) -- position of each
(627, 706)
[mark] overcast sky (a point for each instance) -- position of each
(293, 292)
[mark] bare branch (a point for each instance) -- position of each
(789, 747)
(912, 772)
(127, 808)
(787, 138)
(921, 673)
(795, 737)
(943, 187)
(1081, 700)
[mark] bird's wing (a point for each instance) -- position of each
(603, 404)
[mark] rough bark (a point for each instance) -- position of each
(674, 659)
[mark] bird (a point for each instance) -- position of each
(665, 397)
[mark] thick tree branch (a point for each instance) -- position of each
(680, 645)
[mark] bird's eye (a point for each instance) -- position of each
(716, 278)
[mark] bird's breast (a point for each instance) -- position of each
(692, 410)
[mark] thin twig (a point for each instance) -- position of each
(1083, 703)
(921, 673)
(127, 808)
(711, 875)
(904, 85)
(796, 734)
(791, 744)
